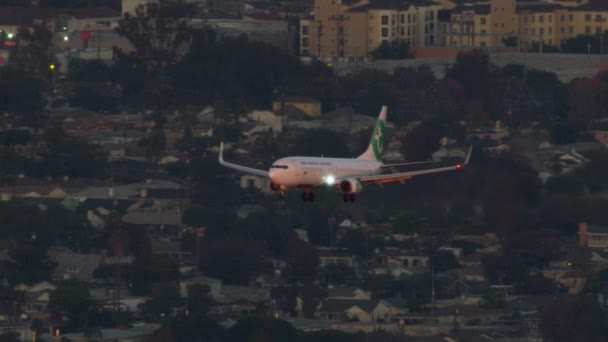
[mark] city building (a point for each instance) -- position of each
(491, 24)
(347, 29)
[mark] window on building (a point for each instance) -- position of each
(402, 30)
(587, 17)
(403, 19)
(563, 18)
(550, 30)
(305, 42)
(541, 18)
(571, 29)
(541, 31)
(483, 32)
(598, 30)
(482, 20)
(432, 15)
(409, 17)
(384, 20)
(533, 31)
(563, 30)
(525, 19)
(571, 17)
(525, 31)
(533, 18)
(550, 18)
(384, 32)
(587, 29)
(305, 30)
(483, 44)
(393, 19)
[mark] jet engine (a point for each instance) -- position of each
(275, 187)
(350, 186)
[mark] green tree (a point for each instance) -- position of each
(252, 328)
(35, 54)
(72, 298)
(573, 318)
(160, 37)
(420, 143)
(302, 260)
(199, 300)
(472, 70)
(566, 184)
(443, 260)
(155, 143)
(320, 142)
(340, 274)
(393, 50)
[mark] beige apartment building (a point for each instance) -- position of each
(479, 25)
(347, 29)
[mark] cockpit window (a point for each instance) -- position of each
(279, 167)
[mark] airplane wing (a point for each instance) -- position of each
(409, 163)
(401, 176)
(241, 168)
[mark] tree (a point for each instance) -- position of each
(573, 318)
(566, 184)
(320, 142)
(420, 143)
(72, 297)
(448, 100)
(396, 49)
(34, 54)
(564, 133)
(587, 99)
(234, 260)
(302, 260)
(249, 328)
(472, 70)
(155, 143)
(160, 37)
(443, 260)
(199, 300)
(340, 274)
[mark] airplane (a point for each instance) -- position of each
(347, 175)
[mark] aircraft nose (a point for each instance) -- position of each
(273, 175)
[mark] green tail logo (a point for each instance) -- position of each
(378, 140)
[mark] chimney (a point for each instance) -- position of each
(583, 230)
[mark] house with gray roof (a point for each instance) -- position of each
(354, 310)
(72, 265)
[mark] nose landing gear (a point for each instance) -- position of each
(308, 196)
(348, 197)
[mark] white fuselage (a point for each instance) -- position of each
(307, 172)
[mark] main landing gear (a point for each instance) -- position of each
(308, 196)
(349, 197)
(282, 195)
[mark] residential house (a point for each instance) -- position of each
(335, 256)
(307, 105)
(592, 236)
(567, 162)
(170, 249)
(36, 298)
(72, 265)
(399, 257)
(354, 310)
(348, 293)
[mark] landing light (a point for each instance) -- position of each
(330, 180)
(458, 166)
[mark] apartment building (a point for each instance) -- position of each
(346, 29)
(545, 23)
(479, 25)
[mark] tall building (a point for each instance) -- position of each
(346, 29)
